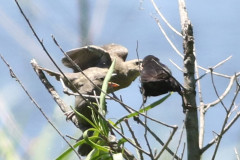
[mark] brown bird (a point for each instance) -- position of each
(156, 78)
(85, 87)
(95, 61)
(102, 57)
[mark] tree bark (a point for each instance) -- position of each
(191, 121)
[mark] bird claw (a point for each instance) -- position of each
(69, 115)
(136, 118)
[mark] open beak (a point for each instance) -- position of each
(113, 85)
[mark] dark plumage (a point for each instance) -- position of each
(156, 78)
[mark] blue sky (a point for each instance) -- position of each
(217, 36)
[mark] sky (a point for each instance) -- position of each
(23, 128)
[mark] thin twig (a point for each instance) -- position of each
(222, 62)
(179, 68)
(184, 145)
(146, 138)
(134, 138)
(180, 139)
(224, 131)
(158, 139)
(168, 39)
(236, 152)
(166, 144)
(164, 19)
(149, 130)
(201, 107)
(133, 110)
(228, 111)
(216, 92)
(122, 135)
(225, 93)
(225, 125)
(215, 73)
(37, 105)
(214, 67)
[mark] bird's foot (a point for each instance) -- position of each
(69, 115)
(136, 118)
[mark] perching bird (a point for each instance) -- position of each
(85, 87)
(102, 57)
(95, 61)
(156, 78)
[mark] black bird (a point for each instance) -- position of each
(156, 78)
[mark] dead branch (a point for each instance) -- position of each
(191, 122)
(37, 105)
(164, 19)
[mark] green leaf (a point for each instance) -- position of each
(67, 153)
(121, 141)
(85, 118)
(93, 154)
(144, 109)
(91, 143)
(102, 107)
(103, 155)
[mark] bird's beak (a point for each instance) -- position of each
(113, 85)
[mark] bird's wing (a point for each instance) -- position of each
(88, 56)
(52, 73)
(116, 50)
(153, 72)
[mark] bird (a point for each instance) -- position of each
(94, 62)
(86, 88)
(102, 57)
(156, 78)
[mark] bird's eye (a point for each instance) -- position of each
(138, 62)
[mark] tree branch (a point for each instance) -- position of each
(37, 105)
(191, 122)
(164, 19)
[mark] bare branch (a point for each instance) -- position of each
(215, 89)
(201, 108)
(159, 140)
(208, 71)
(65, 108)
(222, 62)
(225, 125)
(37, 105)
(168, 39)
(180, 139)
(220, 98)
(164, 19)
(134, 138)
(179, 68)
(166, 144)
(184, 145)
(236, 152)
(224, 131)
(146, 139)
